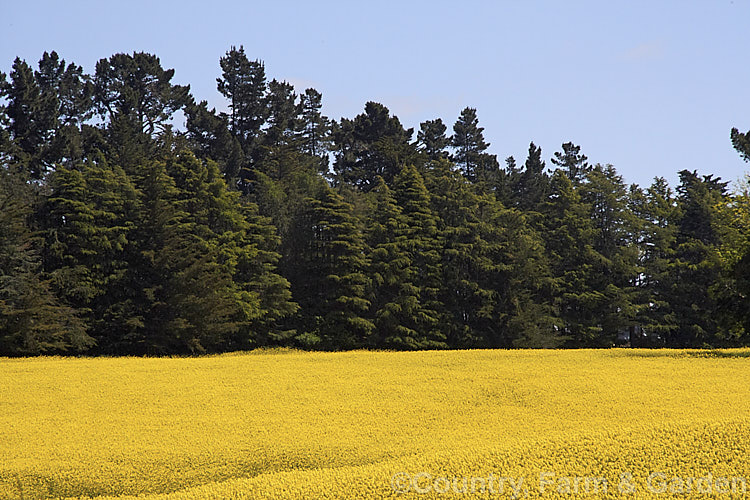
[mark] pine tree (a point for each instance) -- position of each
(282, 115)
(31, 119)
(569, 239)
(5, 143)
(314, 129)
(657, 214)
(741, 142)
(395, 301)
(32, 319)
(244, 243)
(278, 152)
(697, 266)
(533, 185)
(470, 146)
(572, 162)
(372, 144)
(432, 139)
(243, 82)
(66, 93)
(87, 220)
(422, 244)
(328, 275)
(211, 139)
(137, 89)
(506, 184)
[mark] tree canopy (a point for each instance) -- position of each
(124, 232)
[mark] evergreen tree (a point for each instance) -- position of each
(183, 300)
(243, 82)
(314, 129)
(423, 247)
(523, 281)
(741, 143)
(87, 220)
(569, 238)
(211, 139)
(656, 211)
(732, 290)
(278, 152)
(697, 266)
(328, 275)
(244, 243)
(735, 253)
(67, 96)
(496, 283)
(32, 319)
(5, 143)
(136, 88)
(470, 146)
(31, 118)
(506, 184)
(616, 269)
(533, 185)
(257, 268)
(282, 115)
(395, 301)
(432, 139)
(572, 162)
(372, 144)
(69, 86)
(470, 307)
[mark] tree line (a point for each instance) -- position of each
(272, 224)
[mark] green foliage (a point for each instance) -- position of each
(329, 277)
(32, 319)
(569, 239)
(314, 129)
(616, 271)
(432, 139)
(244, 244)
(136, 88)
(243, 82)
(372, 144)
(211, 139)
(422, 244)
(656, 212)
(741, 143)
(696, 266)
(533, 184)
(31, 119)
(469, 146)
(571, 161)
(395, 295)
(120, 235)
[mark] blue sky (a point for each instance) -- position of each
(652, 87)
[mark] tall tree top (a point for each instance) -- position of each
(470, 146)
(136, 87)
(243, 82)
(741, 143)
(572, 162)
(432, 139)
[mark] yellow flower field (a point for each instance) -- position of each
(453, 424)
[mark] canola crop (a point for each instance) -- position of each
(440, 424)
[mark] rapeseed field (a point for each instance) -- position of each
(453, 424)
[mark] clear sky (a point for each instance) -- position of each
(652, 87)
